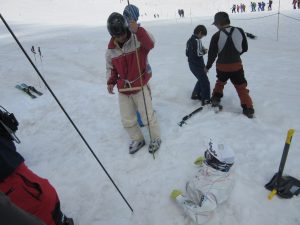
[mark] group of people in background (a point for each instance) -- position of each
(296, 4)
(181, 12)
(237, 8)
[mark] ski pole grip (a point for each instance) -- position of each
(289, 136)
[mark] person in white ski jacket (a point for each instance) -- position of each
(210, 187)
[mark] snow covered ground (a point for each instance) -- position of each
(74, 66)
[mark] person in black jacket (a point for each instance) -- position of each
(228, 44)
(195, 52)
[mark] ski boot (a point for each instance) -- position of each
(205, 102)
(249, 112)
(67, 221)
(154, 145)
(134, 146)
(215, 103)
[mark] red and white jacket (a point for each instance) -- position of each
(121, 63)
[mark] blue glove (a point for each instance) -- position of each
(131, 12)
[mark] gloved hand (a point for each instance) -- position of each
(131, 12)
(175, 193)
(199, 161)
(133, 26)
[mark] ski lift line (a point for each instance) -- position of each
(255, 18)
(62, 108)
(289, 17)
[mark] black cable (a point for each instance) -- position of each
(255, 18)
(289, 17)
(62, 108)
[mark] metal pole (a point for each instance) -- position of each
(278, 21)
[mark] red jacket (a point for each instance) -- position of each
(121, 63)
(33, 194)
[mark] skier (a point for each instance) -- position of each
(123, 71)
(295, 3)
(12, 215)
(210, 187)
(24, 188)
(254, 6)
(179, 12)
(195, 51)
(259, 6)
(228, 44)
(263, 4)
(233, 8)
(270, 5)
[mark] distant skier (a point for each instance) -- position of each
(123, 70)
(270, 5)
(195, 52)
(244, 7)
(295, 4)
(179, 12)
(254, 6)
(211, 186)
(25, 189)
(227, 45)
(263, 4)
(259, 6)
(233, 8)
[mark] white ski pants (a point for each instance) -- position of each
(129, 104)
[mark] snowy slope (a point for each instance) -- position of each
(74, 66)
(93, 12)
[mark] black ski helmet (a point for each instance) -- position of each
(221, 18)
(116, 24)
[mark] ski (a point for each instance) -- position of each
(25, 90)
(31, 88)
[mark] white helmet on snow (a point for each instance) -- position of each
(219, 156)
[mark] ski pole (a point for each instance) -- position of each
(62, 108)
(33, 51)
(282, 162)
(41, 56)
(142, 86)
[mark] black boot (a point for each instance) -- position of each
(68, 221)
(249, 112)
(205, 102)
(215, 101)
